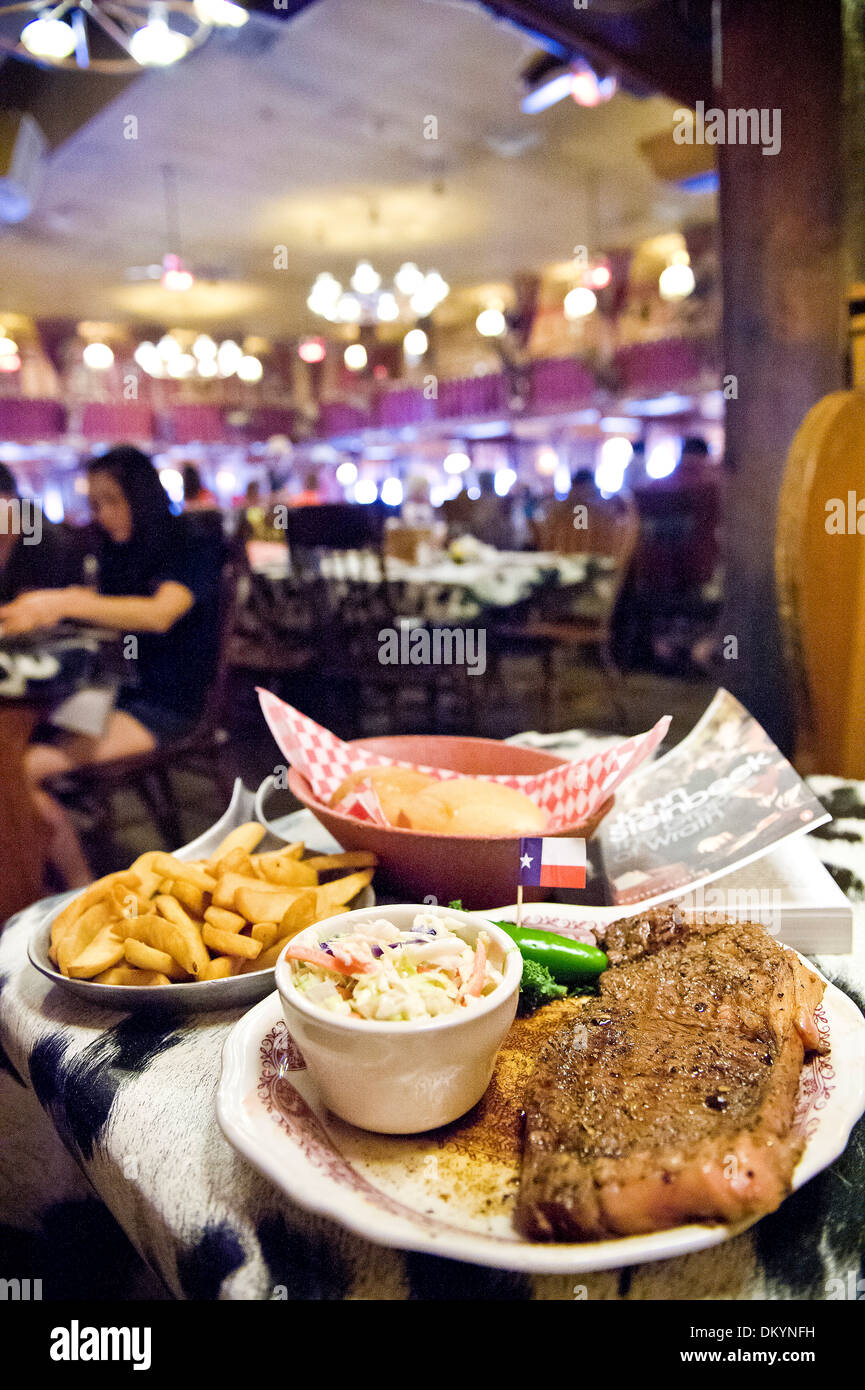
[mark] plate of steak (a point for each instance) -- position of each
(714, 1072)
(674, 1099)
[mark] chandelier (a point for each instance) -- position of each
(116, 36)
(414, 294)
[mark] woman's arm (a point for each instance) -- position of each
(45, 607)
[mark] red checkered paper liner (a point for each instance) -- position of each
(570, 794)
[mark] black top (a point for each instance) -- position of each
(173, 669)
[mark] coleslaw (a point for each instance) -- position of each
(384, 973)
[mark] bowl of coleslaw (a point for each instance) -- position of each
(399, 1011)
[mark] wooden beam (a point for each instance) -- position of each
(781, 244)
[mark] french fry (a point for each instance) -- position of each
(224, 920)
(150, 879)
(128, 975)
(300, 914)
(82, 932)
(266, 903)
(228, 885)
(265, 932)
(244, 837)
(267, 960)
(219, 968)
(236, 861)
(290, 873)
(230, 943)
(292, 851)
(92, 895)
(104, 950)
(340, 891)
(184, 943)
(148, 958)
(177, 869)
(350, 859)
(170, 908)
(189, 896)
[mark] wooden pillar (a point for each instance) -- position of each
(781, 240)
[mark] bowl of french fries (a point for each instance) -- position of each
(196, 933)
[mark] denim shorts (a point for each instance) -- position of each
(165, 724)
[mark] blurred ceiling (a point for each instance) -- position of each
(311, 135)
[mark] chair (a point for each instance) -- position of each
(820, 578)
(93, 786)
(579, 617)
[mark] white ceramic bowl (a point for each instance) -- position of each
(402, 1078)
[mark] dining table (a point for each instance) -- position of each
(111, 1144)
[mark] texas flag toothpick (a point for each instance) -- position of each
(553, 863)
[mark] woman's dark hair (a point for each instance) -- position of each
(134, 566)
(8, 485)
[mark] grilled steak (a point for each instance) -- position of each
(672, 1098)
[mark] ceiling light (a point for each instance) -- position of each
(346, 474)
(552, 84)
(355, 357)
(457, 462)
(167, 346)
(580, 302)
(599, 275)
(147, 357)
(221, 13)
(157, 45)
(250, 369)
(7, 347)
(98, 356)
(348, 308)
(436, 287)
(181, 365)
(490, 323)
(365, 491)
(175, 277)
(547, 461)
(365, 280)
(312, 350)
(662, 459)
(48, 38)
(415, 343)
(408, 279)
(387, 309)
(503, 481)
(204, 347)
(10, 363)
(677, 281)
(208, 367)
(172, 480)
(392, 492)
(228, 355)
(587, 88)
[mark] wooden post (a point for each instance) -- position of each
(781, 239)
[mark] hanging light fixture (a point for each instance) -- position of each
(413, 295)
(141, 33)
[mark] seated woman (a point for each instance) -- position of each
(160, 588)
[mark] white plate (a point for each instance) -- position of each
(392, 1191)
(233, 993)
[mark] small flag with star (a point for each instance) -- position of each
(553, 862)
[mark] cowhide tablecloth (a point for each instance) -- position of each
(104, 1115)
